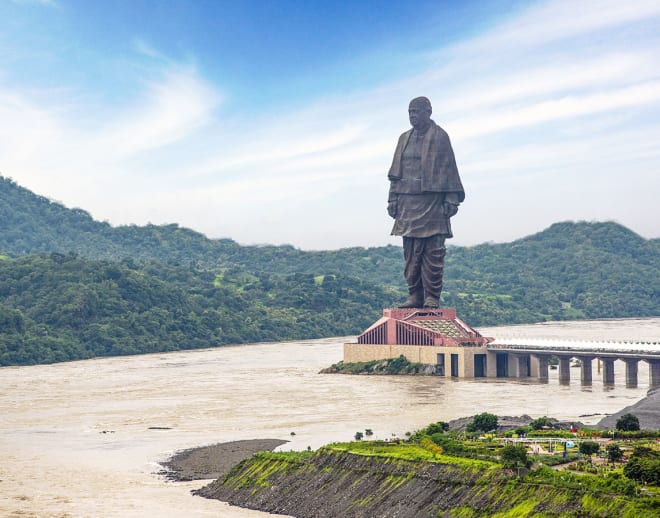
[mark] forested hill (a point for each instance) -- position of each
(73, 287)
(568, 271)
(61, 307)
(32, 224)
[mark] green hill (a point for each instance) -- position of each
(62, 307)
(72, 287)
(32, 224)
(570, 270)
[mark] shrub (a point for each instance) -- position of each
(638, 434)
(539, 423)
(627, 423)
(438, 427)
(483, 422)
(551, 433)
(614, 453)
(515, 456)
(589, 448)
(644, 466)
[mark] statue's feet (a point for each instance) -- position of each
(412, 302)
(431, 302)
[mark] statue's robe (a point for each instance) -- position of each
(422, 177)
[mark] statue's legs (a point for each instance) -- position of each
(412, 253)
(423, 272)
(433, 264)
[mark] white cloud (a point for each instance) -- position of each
(84, 159)
(559, 20)
(565, 107)
(536, 120)
(171, 109)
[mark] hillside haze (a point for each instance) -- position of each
(84, 288)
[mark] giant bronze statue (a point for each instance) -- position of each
(425, 191)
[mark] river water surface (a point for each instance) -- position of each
(84, 438)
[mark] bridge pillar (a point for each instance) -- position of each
(631, 372)
(586, 373)
(654, 373)
(540, 366)
(564, 370)
(523, 366)
(608, 371)
(491, 364)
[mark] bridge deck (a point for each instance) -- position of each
(640, 350)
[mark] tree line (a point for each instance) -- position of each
(72, 287)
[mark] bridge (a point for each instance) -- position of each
(526, 357)
(438, 337)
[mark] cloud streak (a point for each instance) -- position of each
(539, 108)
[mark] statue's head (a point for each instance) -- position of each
(419, 112)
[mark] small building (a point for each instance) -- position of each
(433, 336)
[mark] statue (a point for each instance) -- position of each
(425, 191)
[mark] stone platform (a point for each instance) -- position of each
(433, 336)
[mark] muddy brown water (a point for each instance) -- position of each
(84, 438)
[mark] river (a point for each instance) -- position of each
(84, 438)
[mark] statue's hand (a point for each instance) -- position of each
(450, 209)
(391, 208)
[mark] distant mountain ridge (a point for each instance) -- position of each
(568, 271)
(31, 224)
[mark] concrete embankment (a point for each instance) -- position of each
(335, 483)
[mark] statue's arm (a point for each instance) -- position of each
(450, 204)
(392, 203)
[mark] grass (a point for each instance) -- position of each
(408, 452)
(481, 488)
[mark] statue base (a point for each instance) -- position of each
(432, 336)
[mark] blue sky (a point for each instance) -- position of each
(275, 121)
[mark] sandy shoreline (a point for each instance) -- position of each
(215, 460)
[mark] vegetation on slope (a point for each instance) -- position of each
(400, 365)
(62, 307)
(450, 474)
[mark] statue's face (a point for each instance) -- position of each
(419, 116)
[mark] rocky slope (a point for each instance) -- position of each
(335, 483)
(647, 411)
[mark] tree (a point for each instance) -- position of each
(589, 448)
(627, 423)
(644, 466)
(515, 456)
(358, 436)
(483, 422)
(540, 422)
(438, 427)
(614, 453)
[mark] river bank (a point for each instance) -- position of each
(218, 460)
(96, 429)
(647, 411)
(415, 480)
(215, 460)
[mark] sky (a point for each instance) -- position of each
(275, 122)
